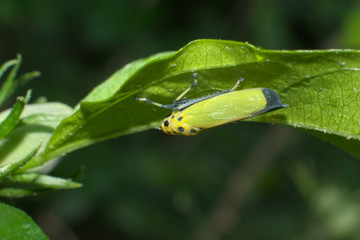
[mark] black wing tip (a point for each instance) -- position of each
(273, 99)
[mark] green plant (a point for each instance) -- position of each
(321, 87)
(23, 131)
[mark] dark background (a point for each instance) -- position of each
(240, 181)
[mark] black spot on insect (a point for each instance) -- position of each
(166, 123)
(192, 131)
(180, 118)
(172, 116)
(181, 129)
(168, 132)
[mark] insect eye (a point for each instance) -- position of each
(166, 123)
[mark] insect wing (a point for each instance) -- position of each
(232, 106)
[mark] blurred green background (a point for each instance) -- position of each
(240, 181)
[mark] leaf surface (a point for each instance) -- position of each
(322, 89)
(17, 225)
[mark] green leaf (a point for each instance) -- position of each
(5, 66)
(14, 166)
(36, 125)
(11, 84)
(29, 184)
(17, 225)
(9, 123)
(9, 192)
(322, 88)
(43, 181)
(8, 87)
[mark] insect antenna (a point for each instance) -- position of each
(237, 84)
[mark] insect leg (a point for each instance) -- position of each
(237, 84)
(153, 103)
(187, 90)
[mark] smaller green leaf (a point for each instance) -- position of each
(16, 192)
(12, 119)
(43, 181)
(17, 225)
(13, 167)
(25, 78)
(11, 84)
(36, 125)
(8, 87)
(7, 65)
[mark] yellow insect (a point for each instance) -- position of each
(191, 116)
